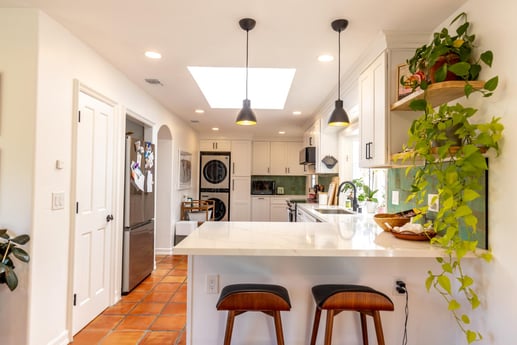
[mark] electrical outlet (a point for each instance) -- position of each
(212, 283)
(433, 202)
(395, 197)
(400, 287)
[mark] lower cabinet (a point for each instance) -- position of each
(302, 216)
(260, 208)
(240, 199)
(278, 210)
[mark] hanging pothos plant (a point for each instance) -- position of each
(454, 150)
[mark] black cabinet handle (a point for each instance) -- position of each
(109, 218)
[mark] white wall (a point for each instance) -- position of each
(494, 26)
(45, 98)
(17, 127)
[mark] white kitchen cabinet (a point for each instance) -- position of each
(382, 132)
(276, 158)
(260, 208)
(326, 142)
(215, 145)
(240, 198)
(241, 157)
(284, 158)
(261, 158)
(302, 216)
(278, 209)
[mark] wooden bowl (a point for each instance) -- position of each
(388, 218)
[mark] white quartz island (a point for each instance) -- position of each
(352, 249)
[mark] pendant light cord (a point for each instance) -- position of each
(339, 66)
(247, 33)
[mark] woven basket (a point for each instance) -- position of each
(388, 218)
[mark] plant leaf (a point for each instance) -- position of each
(469, 195)
(21, 254)
(21, 239)
(491, 84)
(418, 105)
(460, 69)
(471, 336)
(465, 319)
(10, 278)
(445, 283)
(487, 57)
(441, 73)
(454, 305)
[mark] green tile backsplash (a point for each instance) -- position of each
(293, 185)
(399, 181)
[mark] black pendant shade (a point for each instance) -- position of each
(339, 117)
(246, 116)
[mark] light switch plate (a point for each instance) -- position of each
(394, 197)
(433, 203)
(58, 200)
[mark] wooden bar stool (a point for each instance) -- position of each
(337, 298)
(240, 298)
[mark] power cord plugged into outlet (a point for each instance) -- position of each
(400, 286)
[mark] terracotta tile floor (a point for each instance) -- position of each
(154, 313)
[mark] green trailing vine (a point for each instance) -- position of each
(454, 150)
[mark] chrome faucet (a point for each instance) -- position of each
(355, 204)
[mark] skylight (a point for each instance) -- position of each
(225, 87)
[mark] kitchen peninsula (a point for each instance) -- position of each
(349, 249)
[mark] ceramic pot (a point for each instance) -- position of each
(450, 59)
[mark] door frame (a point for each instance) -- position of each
(115, 256)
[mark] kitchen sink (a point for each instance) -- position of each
(332, 211)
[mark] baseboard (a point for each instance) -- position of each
(163, 251)
(62, 339)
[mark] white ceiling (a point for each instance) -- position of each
(289, 33)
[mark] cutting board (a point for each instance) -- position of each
(331, 193)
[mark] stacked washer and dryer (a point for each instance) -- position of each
(214, 182)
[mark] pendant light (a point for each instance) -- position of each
(246, 116)
(339, 117)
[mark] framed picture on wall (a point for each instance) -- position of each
(404, 89)
(185, 170)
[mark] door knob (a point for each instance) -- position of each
(109, 218)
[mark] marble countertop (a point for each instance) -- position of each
(341, 236)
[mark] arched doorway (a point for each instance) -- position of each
(164, 224)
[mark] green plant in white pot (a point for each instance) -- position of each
(9, 245)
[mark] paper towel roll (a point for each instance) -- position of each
(323, 198)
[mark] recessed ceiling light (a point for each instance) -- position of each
(222, 86)
(325, 58)
(153, 55)
(199, 111)
(281, 132)
(215, 129)
(296, 112)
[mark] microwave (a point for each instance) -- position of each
(263, 187)
(308, 155)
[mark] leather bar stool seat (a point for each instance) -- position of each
(240, 298)
(335, 298)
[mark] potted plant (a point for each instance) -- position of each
(365, 194)
(449, 57)
(8, 246)
(453, 148)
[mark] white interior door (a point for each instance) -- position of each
(94, 202)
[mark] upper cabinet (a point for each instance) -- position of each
(260, 159)
(325, 140)
(382, 131)
(215, 145)
(277, 158)
(241, 158)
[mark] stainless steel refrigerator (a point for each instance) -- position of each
(138, 246)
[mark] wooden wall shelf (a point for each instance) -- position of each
(438, 93)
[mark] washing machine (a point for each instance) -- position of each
(215, 171)
(222, 203)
